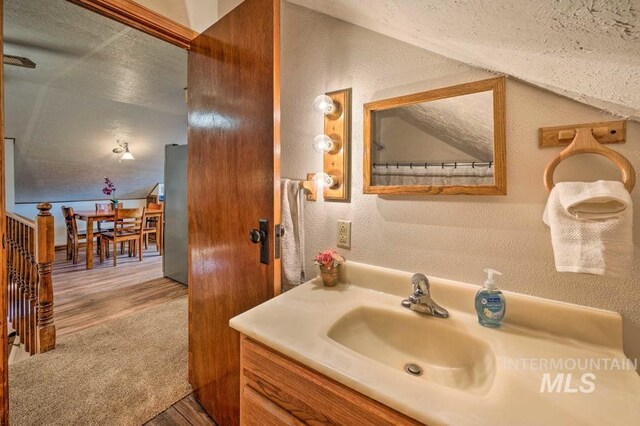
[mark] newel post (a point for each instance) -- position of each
(45, 255)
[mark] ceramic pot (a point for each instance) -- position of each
(329, 275)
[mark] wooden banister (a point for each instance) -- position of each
(153, 189)
(45, 255)
(21, 219)
(30, 255)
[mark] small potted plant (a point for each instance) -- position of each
(110, 189)
(329, 262)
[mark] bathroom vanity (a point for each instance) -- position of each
(353, 354)
(277, 390)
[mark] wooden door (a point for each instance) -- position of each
(233, 176)
(4, 370)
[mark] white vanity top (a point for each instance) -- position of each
(538, 337)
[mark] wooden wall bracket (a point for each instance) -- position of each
(337, 164)
(309, 187)
(605, 132)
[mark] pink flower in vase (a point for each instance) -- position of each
(329, 259)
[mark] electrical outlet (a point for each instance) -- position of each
(344, 234)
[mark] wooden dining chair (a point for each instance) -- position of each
(128, 227)
(105, 208)
(74, 238)
(151, 225)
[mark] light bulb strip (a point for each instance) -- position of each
(336, 162)
(335, 144)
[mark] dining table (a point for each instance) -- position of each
(91, 216)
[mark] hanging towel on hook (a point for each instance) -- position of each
(293, 239)
(591, 227)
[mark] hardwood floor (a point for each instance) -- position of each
(185, 412)
(85, 298)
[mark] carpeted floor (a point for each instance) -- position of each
(120, 373)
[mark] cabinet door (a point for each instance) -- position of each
(256, 410)
(309, 396)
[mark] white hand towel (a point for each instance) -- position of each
(591, 227)
(293, 240)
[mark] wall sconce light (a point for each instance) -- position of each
(326, 105)
(323, 180)
(317, 182)
(123, 151)
(323, 143)
(334, 143)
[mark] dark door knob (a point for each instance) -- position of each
(261, 236)
(254, 236)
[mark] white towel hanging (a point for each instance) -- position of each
(591, 227)
(293, 240)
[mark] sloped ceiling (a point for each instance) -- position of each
(588, 50)
(473, 115)
(96, 81)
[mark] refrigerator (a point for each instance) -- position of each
(174, 262)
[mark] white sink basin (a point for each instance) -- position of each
(358, 334)
(447, 356)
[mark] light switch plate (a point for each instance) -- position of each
(344, 234)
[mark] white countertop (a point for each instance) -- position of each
(535, 330)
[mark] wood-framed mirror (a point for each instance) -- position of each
(444, 141)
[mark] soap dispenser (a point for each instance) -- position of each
(490, 302)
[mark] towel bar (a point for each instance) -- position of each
(585, 142)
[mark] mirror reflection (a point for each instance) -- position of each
(442, 142)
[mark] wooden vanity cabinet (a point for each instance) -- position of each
(278, 391)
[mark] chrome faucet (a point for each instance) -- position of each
(421, 301)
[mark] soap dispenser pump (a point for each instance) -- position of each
(490, 302)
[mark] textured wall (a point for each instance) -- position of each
(96, 81)
(64, 141)
(448, 236)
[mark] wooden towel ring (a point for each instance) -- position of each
(585, 143)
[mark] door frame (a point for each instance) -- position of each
(128, 13)
(4, 288)
(141, 18)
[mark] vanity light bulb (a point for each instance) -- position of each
(324, 104)
(323, 180)
(322, 143)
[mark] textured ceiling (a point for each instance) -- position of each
(588, 50)
(473, 115)
(96, 81)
